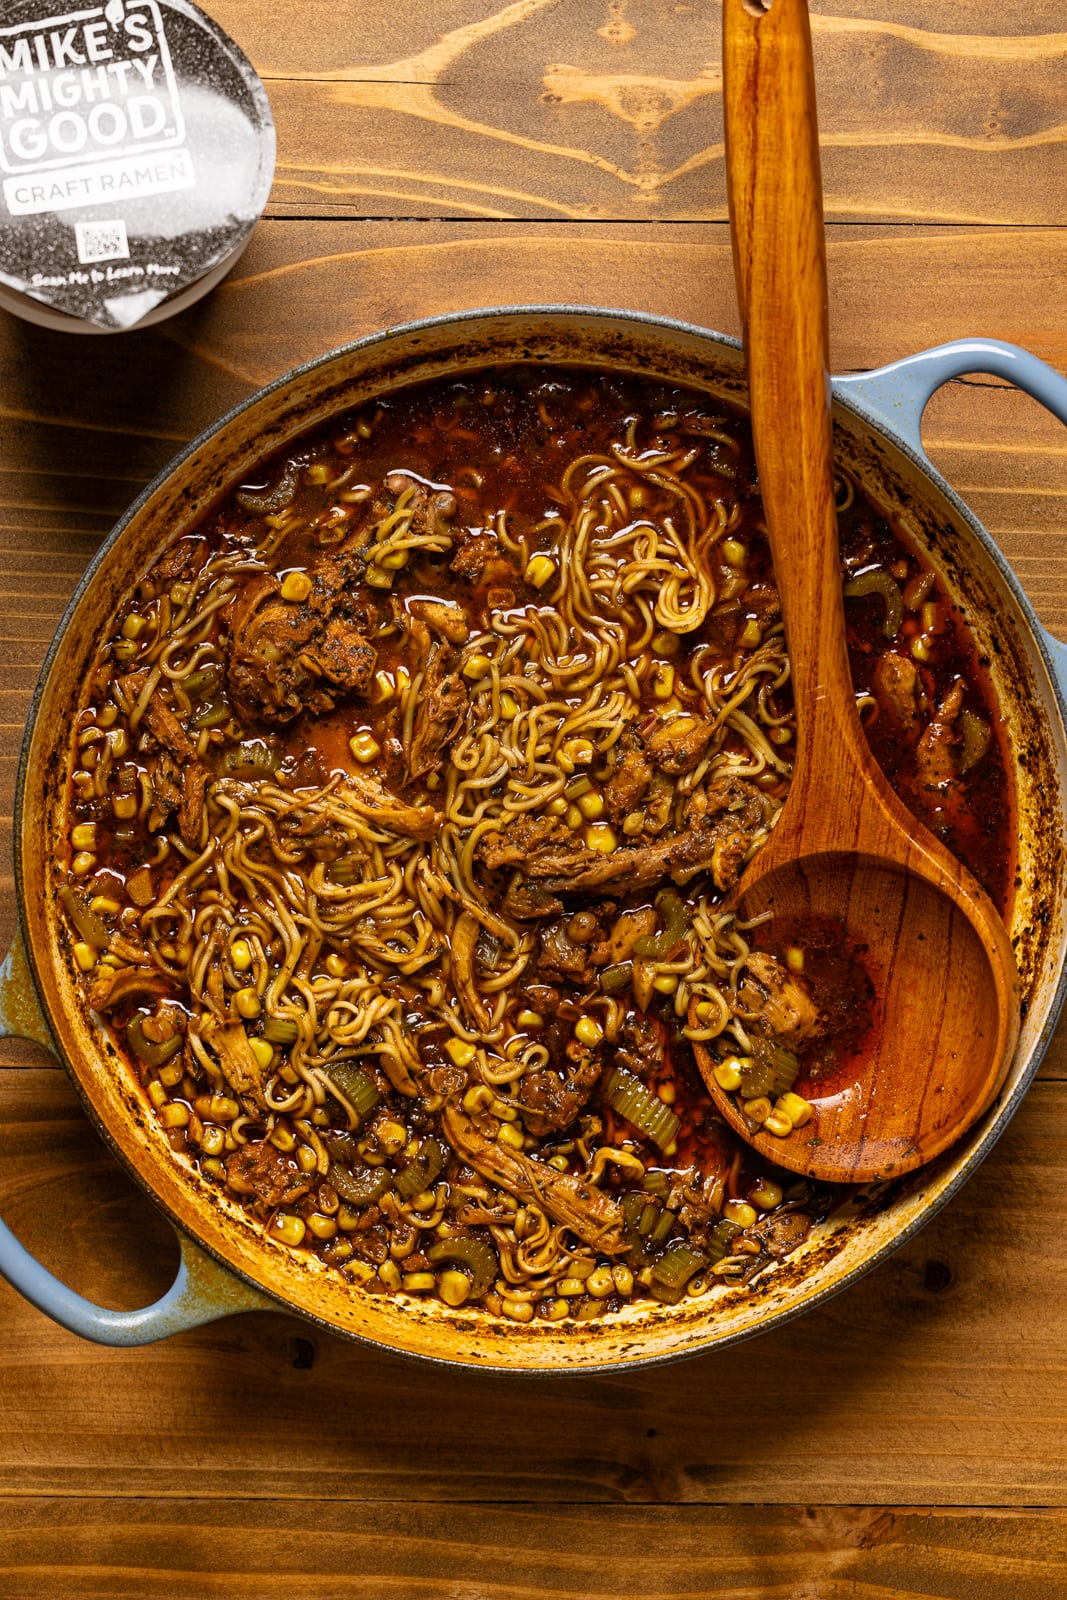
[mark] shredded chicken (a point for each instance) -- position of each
(284, 658)
(937, 754)
(464, 938)
(260, 1169)
(239, 1066)
(773, 1002)
(595, 1217)
(379, 805)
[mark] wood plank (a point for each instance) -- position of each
(939, 1380)
(532, 109)
(342, 1551)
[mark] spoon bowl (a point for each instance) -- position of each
(940, 989)
(933, 1051)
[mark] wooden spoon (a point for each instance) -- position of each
(846, 852)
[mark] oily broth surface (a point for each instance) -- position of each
(415, 1136)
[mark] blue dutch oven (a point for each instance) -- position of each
(228, 1265)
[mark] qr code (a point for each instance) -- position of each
(101, 241)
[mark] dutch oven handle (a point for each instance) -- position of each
(895, 398)
(201, 1292)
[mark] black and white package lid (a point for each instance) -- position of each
(136, 155)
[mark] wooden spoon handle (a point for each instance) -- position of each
(775, 192)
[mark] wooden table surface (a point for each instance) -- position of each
(908, 1439)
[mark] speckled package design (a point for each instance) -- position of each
(136, 154)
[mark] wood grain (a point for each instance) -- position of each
(613, 111)
(939, 1380)
(480, 1552)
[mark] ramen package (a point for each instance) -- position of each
(136, 155)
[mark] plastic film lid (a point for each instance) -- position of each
(136, 155)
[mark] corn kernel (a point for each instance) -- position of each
(560, 1163)
(223, 1108)
(624, 1279)
(739, 1211)
(665, 983)
(517, 1310)
(247, 1003)
(765, 1195)
(758, 1109)
(571, 1286)
(104, 906)
(555, 1310)
(83, 863)
(480, 1098)
(392, 1135)
(119, 743)
(508, 1134)
(419, 1282)
(174, 1115)
(171, 1074)
(461, 1051)
(213, 1141)
(573, 817)
(288, 1229)
(306, 1159)
(263, 1052)
(322, 1227)
(476, 667)
(389, 1273)
(85, 956)
(393, 560)
(728, 1074)
(557, 807)
(932, 617)
(662, 680)
(530, 1019)
(588, 1031)
(920, 649)
(318, 472)
(124, 806)
(796, 1108)
(403, 679)
(282, 1138)
(539, 569)
(133, 627)
(794, 958)
(591, 805)
(509, 706)
(778, 1124)
(600, 1283)
(454, 1287)
(296, 586)
(751, 634)
(601, 838)
(377, 577)
(157, 1094)
(576, 752)
(734, 552)
(365, 747)
(241, 955)
(335, 965)
(83, 837)
(382, 689)
(107, 716)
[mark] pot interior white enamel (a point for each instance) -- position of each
(865, 1230)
